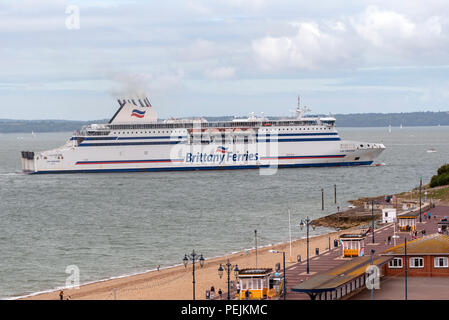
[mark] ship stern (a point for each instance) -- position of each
(28, 162)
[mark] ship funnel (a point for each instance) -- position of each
(133, 110)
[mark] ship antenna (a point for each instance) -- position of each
(299, 111)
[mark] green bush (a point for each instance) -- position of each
(440, 180)
(443, 169)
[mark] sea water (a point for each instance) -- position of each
(109, 225)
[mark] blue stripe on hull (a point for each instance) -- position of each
(335, 164)
(298, 140)
(116, 144)
(183, 137)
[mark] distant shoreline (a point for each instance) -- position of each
(352, 120)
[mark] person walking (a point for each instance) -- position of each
(61, 295)
(212, 292)
(220, 293)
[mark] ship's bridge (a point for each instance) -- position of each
(328, 121)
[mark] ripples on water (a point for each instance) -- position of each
(122, 223)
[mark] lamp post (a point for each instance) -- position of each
(372, 286)
(335, 194)
(193, 257)
(306, 222)
(283, 259)
(322, 199)
(228, 267)
(420, 186)
(372, 218)
(405, 266)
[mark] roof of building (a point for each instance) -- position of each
(358, 236)
(339, 275)
(255, 272)
(409, 214)
(431, 244)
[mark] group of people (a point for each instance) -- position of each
(212, 292)
(415, 234)
(61, 295)
(220, 292)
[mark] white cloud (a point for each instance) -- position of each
(310, 48)
(249, 4)
(391, 30)
(201, 49)
(380, 27)
(372, 35)
(220, 73)
(164, 48)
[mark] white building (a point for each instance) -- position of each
(388, 215)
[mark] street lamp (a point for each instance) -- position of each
(283, 259)
(372, 217)
(228, 268)
(306, 223)
(420, 187)
(193, 257)
(372, 285)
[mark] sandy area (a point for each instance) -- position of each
(175, 283)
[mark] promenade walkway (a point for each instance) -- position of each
(329, 259)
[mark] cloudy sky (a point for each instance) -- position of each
(222, 57)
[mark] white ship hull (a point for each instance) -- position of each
(160, 157)
(205, 146)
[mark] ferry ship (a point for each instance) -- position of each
(135, 140)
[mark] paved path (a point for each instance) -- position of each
(392, 288)
(296, 273)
